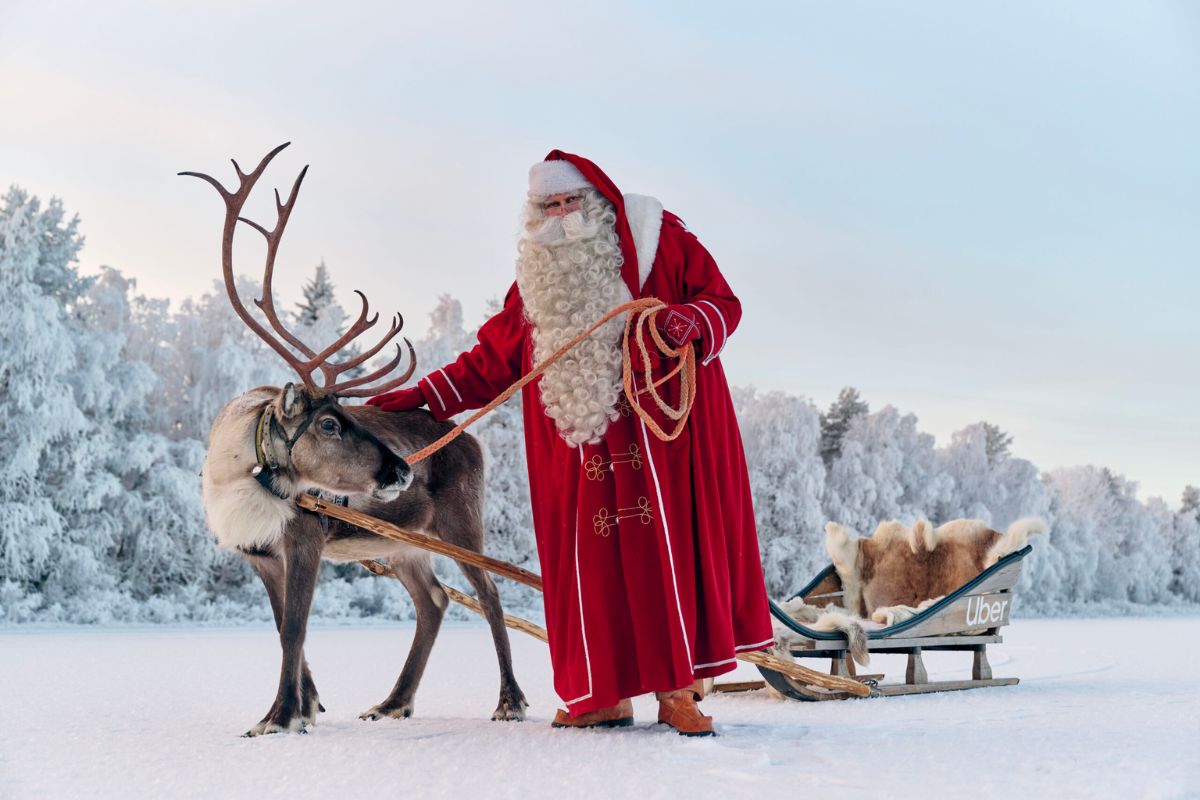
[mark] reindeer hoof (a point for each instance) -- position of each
(510, 711)
(296, 725)
(382, 711)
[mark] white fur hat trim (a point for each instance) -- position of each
(555, 177)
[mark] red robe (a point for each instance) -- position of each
(648, 549)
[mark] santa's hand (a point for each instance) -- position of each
(678, 324)
(400, 399)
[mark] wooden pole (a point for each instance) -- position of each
(805, 675)
(389, 531)
(516, 623)
(397, 534)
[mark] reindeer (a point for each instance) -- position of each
(270, 444)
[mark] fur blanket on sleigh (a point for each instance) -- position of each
(900, 571)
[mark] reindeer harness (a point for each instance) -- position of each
(267, 466)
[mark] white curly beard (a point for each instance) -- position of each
(569, 275)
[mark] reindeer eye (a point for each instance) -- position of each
(329, 425)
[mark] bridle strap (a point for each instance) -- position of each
(266, 465)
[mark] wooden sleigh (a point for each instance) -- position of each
(967, 619)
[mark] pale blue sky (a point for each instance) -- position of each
(969, 211)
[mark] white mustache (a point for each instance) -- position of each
(563, 230)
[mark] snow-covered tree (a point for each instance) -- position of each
(318, 296)
(154, 511)
(217, 358)
(836, 421)
(320, 320)
(1190, 504)
(886, 470)
(1185, 557)
(39, 415)
(997, 442)
(781, 435)
(989, 484)
(1117, 548)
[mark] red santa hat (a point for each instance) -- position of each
(594, 177)
(555, 177)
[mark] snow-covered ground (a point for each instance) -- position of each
(1105, 708)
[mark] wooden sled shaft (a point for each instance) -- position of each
(464, 599)
(397, 534)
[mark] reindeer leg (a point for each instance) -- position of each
(302, 544)
(430, 601)
(512, 703)
(461, 523)
(270, 568)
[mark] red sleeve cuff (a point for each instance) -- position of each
(713, 330)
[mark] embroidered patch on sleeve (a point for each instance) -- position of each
(679, 328)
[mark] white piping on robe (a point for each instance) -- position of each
(737, 649)
(715, 663)
(724, 332)
(579, 591)
(436, 393)
(666, 536)
(712, 345)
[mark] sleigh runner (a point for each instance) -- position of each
(967, 619)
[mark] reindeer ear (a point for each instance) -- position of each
(293, 401)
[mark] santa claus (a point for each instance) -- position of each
(648, 550)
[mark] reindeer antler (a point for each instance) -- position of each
(356, 387)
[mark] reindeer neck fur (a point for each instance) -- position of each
(241, 512)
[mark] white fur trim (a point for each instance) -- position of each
(555, 177)
(645, 216)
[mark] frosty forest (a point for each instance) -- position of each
(106, 397)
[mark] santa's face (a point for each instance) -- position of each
(559, 205)
(559, 219)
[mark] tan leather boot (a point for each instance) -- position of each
(679, 710)
(618, 716)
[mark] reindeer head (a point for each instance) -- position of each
(325, 447)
